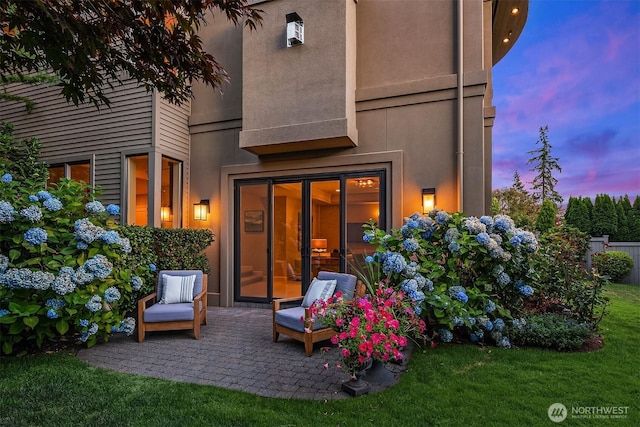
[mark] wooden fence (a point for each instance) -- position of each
(599, 244)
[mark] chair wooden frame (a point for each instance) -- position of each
(199, 314)
(309, 337)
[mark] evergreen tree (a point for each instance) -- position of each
(622, 233)
(577, 215)
(544, 164)
(605, 217)
(517, 183)
(588, 204)
(546, 216)
(633, 218)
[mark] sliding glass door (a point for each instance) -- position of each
(290, 229)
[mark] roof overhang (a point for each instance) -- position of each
(509, 18)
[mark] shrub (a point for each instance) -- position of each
(60, 265)
(464, 272)
(548, 330)
(180, 248)
(614, 264)
(564, 285)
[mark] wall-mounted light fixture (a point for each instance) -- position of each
(318, 245)
(295, 29)
(428, 200)
(200, 210)
(165, 213)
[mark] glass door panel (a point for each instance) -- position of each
(253, 244)
(287, 240)
(325, 226)
(362, 200)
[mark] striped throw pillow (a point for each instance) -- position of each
(177, 289)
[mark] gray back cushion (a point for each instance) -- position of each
(197, 285)
(345, 283)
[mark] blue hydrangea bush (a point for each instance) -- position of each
(467, 275)
(60, 269)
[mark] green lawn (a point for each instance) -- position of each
(451, 385)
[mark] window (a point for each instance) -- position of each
(141, 201)
(79, 171)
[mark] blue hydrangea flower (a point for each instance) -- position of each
(455, 290)
(136, 283)
(4, 263)
(367, 237)
(95, 207)
(82, 276)
(35, 236)
(53, 204)
(503, 342)
(369, 259)
(51, 314)
(43, 195)
(410, 245)
(41, 280)
(457, 321)
(127, 325)
(125, 244)
(4, 312)
(113, 209)
(63, 285)
(33, 213)
(93, 329)
(55, 303)
(488, 222)
(409, 285)
(519, 323)
(152, 267)
(489, 307)
(446, 335)
(442, 218)
(462, 297)
(483, 239)
(111, 237)
(417, 310)
(82, 245)
(94, 304)
(99, 265)
(526, 290)
(454, 247)
(515, 241)
(86, 231)
(477, 335)
(7, 178)
(33, 198)
(84, 323)
(503, 223)
(451, 235)
(112, 294)
(16, 278)
(503, 279)
(393, 262)
(498, 324)
(474, 225)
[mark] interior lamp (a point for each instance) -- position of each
(428, 200)
(200, 210)
(318, 245)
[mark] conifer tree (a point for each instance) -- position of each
(622, 232)
(577, 215)
(605, 217)
(633, 219)
(544, 164)
(546, 216)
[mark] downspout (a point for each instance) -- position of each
(460, 104)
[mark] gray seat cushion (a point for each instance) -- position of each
(346, 283)
(169, 312)
(291, 318)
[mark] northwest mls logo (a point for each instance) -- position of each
(557, 412)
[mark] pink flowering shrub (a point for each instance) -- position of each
(376, 327)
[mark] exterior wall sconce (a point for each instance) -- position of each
(165, 213)
(428, 200)
(201, 210)
(318, 245)
(295, 29)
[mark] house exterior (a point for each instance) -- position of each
(338, 112)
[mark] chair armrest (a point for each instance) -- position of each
(277, 302)
(142, 305)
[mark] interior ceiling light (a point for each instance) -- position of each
(515, 10)
(365, 183)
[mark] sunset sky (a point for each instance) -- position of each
(575, 68)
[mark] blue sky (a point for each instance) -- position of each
(576, 69)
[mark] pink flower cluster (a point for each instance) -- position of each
(374, 327)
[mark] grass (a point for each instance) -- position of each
(451, 385)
